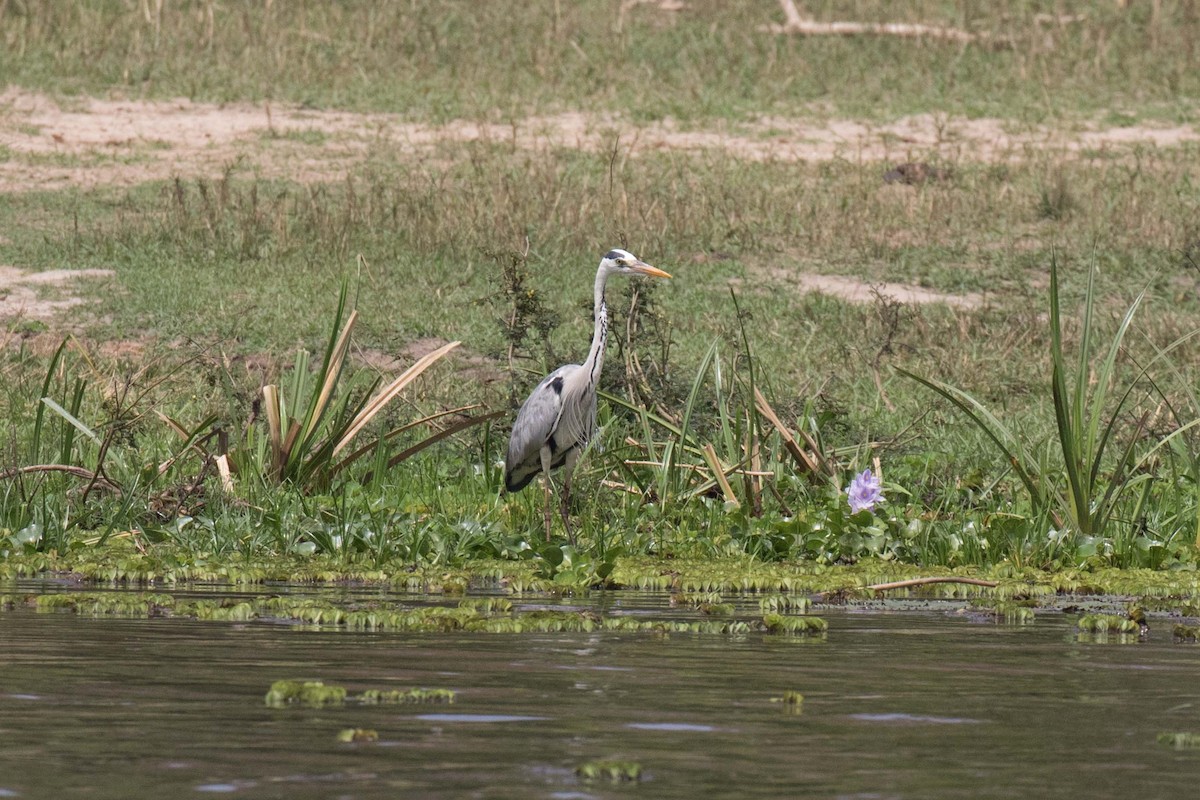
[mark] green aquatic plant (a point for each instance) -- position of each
(716, 609)
(402, 696)
(792, 701)
(135, 605)
(1180, 741)
(357, 735)
(611, 771)
(1186, 633)
(1012, 613)
(1106, 623)
(305, 693)
(782, 603)
(800, 626)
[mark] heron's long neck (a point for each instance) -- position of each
(595, 359)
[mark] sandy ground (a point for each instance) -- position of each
(91, 143)
(20, 296)
(94, 142)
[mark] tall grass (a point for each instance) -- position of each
(450, 59)
(1082, 488)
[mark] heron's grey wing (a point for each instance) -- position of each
(536, 422)
(577, 418)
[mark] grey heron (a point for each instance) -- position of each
(558, 418)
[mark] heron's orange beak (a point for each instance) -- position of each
(643, 268)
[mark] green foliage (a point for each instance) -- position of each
(793, 702)
(401, 696)
(521, 312)
(1180, 741)
(1185, 633)
(304, 693)
(531, 58)
(1106, 623)
(192, 257)
(1084, 495)
(311, 426)
(610, 771)
(778, 623)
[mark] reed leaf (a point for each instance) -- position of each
(1085, 423)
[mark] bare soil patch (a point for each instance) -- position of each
(855, 290)
(23, 295)
(476, 366)
(91, 143)
(105, 142)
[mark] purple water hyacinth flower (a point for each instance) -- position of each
(864, 492)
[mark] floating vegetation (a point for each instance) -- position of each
(611, 771)
(475, 615)
(784, 603)
(1012, 613)
(1104, 637)
(1186, 633)
(488, 605)
(305, 693)
(1107, 623)
(695, 599)
(793, 702)
(716, 609)
(1180, 741)
(357, 735)
(800, 626)
(400, 696)
(107, 604)
(121, 561)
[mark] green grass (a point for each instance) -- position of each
(449, 58)
(227, 271)
(220, 281)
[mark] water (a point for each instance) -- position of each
(897, 705)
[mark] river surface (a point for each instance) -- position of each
(897, 704)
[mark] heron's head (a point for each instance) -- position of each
(623, 262)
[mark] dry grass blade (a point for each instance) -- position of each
(333, 371)
(710, 455)
(809, 463)
(394, 432)
(270, 394)
(389, 392)
(181, 431)
(225, 472)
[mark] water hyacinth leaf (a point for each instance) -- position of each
(406, 696)
(1101, 623)
(1180, 741)
(792, 701)
(307, 693)
(611, 771)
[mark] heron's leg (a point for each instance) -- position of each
(565, 505)
(546, 458)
